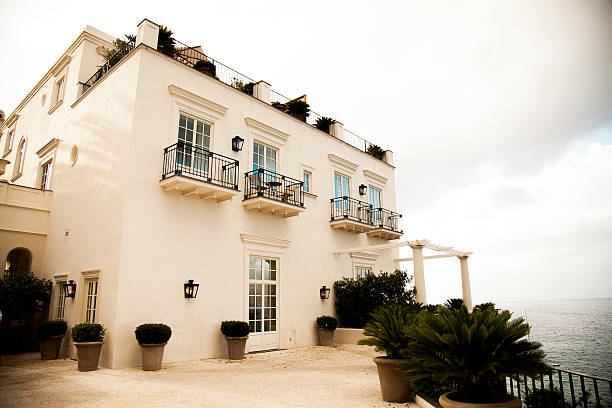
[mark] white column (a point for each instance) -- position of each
(147, 33)
(336, 130)
(396, 265)
(419, 273)
(261, 91)
(465, 282)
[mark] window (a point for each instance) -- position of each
(361, 271)
(45, 175)
(196, 137)
(263, 292)
(307, 182)
(8, 145)
(264, 157)
(19, 160)
(58, 91)
(91, 300)
(341, 185)
(61, 300)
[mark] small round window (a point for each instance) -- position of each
(74, 154)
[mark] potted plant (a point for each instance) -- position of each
(242, 87)
(298, 108)
(165, 41)
(385, 331)
(152, 338)
(472, 350)
(376, 151)
(326, 325)
(236, 333)
(206, 67)
(50, 336)
(324, 123)
(87, 338)
(280, 106)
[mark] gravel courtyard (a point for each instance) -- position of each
(342, 376)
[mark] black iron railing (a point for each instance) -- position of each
(562, 388)
(112, 61)
(352, 209)
(386, 219)
(187, 160)
(274, 186)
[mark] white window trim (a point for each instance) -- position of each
(311, 170)
(264, 144)
(344, 167)
(59, 285)
(86, 276)
(187, 113)
(20, 158)
(9, 142)
(375, 179)
(350, 179)
(46, 154)
(363, 260)
(381, 194)
(57, 96)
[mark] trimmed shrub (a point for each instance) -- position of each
(51, 328)
(86, 332)
(357, 298)
(153, 333)
(234, 328)
(22, 294)
(327, 322)
(206, 67)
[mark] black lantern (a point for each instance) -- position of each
(237, 143)
(191, 289)
(70, 289)
(363, 189)
(324, 292)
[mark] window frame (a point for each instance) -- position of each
(59, 90)
(8, 144)
(95, 282)
(20, 158)
(86, 277)
(60, 300)
(366, 268)
(265, 156)
(45, 182)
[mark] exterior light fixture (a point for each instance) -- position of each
(237, 143)
(70, 289)
(363, 189)
(324, 292)
(191, 289)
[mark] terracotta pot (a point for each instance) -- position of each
(88, 355)
(152, 356)
(326, 337)
(50, 347)
(393, 386)
(447, 402)
(235, 347)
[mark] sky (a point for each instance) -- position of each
(499, 113)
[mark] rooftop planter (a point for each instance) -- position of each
(324, 123)
(166, 44)
(152, 338)
(206, 67)
(298, 108)
(376, 151)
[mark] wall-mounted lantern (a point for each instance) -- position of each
(70, 289)
(363, 189)
(191, 289)
(324, 292)
(237, 143)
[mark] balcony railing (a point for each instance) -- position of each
(274, 186)
(112, 61)
(386, 219)
(343, 208)
(187, 160)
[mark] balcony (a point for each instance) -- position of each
(357, 216)
(197, 172)
(268, 191)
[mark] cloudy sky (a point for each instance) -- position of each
(499, 113)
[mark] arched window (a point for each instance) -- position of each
(19, 259)
(20, 159)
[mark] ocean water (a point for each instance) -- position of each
(576, 334)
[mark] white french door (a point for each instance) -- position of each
(342, 189)
(374, 197)
(193, 154)
(263, 303)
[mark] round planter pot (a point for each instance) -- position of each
(326, 337)
(152, 356)
(50, 347)
(393, 386)
(447, 402)
(235, 347)
(88, 355)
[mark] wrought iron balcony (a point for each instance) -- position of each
(193, 170)
(358, 216)
(266, 190)
(386, 224)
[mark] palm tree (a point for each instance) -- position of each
(471, 350)
(454, 304)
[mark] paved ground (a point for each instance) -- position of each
(342, 376)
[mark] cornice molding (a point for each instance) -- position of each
(10, 121)
(51, 144)
(371, 176)
(211, 108)
(343, 164)
(59, 66)
(263, 240)
(364, 256)
(272, 135)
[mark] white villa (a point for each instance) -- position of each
(129, 181)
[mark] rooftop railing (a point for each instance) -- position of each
(112, 61)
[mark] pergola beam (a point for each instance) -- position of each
(426, 257)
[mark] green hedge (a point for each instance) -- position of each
(327, 322)
(86, 332)
(153, 333)
(357, 298)
(234, 328)
(51, 328)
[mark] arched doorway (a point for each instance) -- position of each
(19, 259)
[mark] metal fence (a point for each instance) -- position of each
(274, 186)
(350, 208)
(386, 219)
(112, 61)
(187, 160)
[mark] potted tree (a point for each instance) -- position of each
(385, 331)
(326, 325)
(165, 41)
(50, 336)
(376, 151)
(473, 351)
(324, 123)
(88, 339)
(236, 333)
(206, 67)
(298, 108)
(152, 338)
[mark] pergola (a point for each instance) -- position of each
(417, 260)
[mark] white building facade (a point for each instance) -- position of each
(126, 183)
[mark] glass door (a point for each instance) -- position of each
(193, 154)
(342, 189)
(374, 200)
(263, 303)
